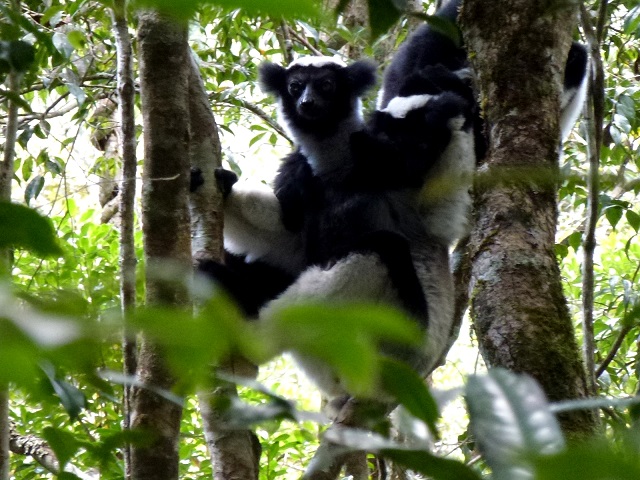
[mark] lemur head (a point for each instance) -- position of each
(317, 94)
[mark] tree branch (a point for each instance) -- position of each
(41, 452)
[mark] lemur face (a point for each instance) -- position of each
(316, 94)
(313, 92)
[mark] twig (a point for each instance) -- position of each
(251, 107)
(304, 42)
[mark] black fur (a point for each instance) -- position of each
(366, 209)
(575, 70)
(250, 284)
(428, 46)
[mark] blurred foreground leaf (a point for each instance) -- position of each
(511, 420)
(23, 227)
(347, 338)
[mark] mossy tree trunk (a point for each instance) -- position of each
(519, 49)
(164, 84)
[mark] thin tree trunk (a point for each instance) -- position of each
(518, 308)
(126, 104)
(6, 176)
(235, 454)
(4, 433)
(205, 153)
(594, 119)
(164, 82)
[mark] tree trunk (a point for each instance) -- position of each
(4, 433)
(235, 454)
(205, 153)
(164, 82)
(517, 304)
(6, 176)
(128, 261)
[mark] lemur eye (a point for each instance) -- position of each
(295, 88)
(327, 86)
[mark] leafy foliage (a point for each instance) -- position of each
(59, 321)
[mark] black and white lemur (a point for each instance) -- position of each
(268, 226)
(341, 201)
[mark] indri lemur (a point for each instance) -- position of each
(337, 154)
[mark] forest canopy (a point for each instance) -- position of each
(83, 300)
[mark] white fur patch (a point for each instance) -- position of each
(253, 227)
(312, 61)
(445, 202)
(399, 107)
(465, 74)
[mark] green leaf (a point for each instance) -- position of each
(33, 188)
(62, 44)
(67, 476)
(411, 391)
(437, 468)
(634, 219)
(593, 461)
(345, 337)
(53, 12)
(632, 20)
(64, 444)
(613, 214)
(418, 460)
(510, 418)
(23, 227)
(77, 92)
(184, 9)
(16, 55)
(77, 39)
(18, 355)
(382, 15)
(72, 399)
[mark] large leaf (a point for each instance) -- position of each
(72, 399)
(64, 444)
(382, 15)
(23, 227)
(16, 55)
(592, 461)
(511, 420)
(280, 8)
(346, 338)
(418, 460)
(411, 391)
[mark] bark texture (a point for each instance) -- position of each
(40, 451)
(164, 82)
(518, 49)
(128, 261)
(4, 433)
(6, 177)
(235, 454)
(205, 153)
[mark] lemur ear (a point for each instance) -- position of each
(362, 75)
(272, 78)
